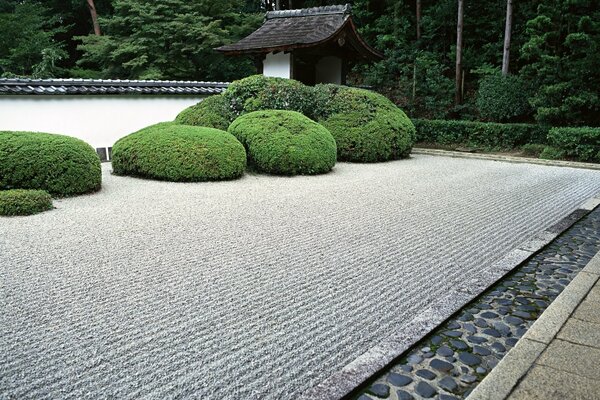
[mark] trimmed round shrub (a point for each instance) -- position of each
(24, 202)
(181, 153)
(503, 98)
(60, 165)
(258, 92)
(212, 112)
(285, 142)
(367, 127)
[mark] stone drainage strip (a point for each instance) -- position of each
(452, 360)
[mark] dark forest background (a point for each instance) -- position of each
(553, 74)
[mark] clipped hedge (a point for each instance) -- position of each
(24, 202)
(367, 127)
(60, 165)
(173, 152)
(503, 98)
(212, 112)
(258, 92)
(581, 143)
(484, 134)
(285, 142)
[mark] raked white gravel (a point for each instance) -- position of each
(252, 289)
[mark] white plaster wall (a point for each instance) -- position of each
(329, 70)
(278, 65)
(98, 120)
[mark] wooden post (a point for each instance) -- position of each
(94, 14)
(507, 35)
(459, 45)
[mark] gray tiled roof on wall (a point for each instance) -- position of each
(18, 86)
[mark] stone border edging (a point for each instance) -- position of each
(511, 159)
(354, 375)
(518, 361)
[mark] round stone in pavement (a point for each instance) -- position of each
(459, 344)
(476, 339)
(424, 389)
(453, 334)
(488, 315)
(402, 395)
(482, 351)
(364, 397)
(468, 378)
(499, 347)
(399, 380)
(469, 359)
(441, 365)
(447, 397)
(492, 332)
(445, 351)
(427, 374)
(380, 390)
(448, 384)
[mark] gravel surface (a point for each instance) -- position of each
(258, 288)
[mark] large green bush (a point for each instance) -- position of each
(259, 92)
(181, 153)
(503, 98)
(481, 134)
(581, 143)
(367, 127)
(60, 165)
(212, 112)
(24, 202)
(285, 142)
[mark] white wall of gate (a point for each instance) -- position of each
(98, 120)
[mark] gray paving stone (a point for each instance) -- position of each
(425, 390)
(441, 365)
(448, 384)
(380, 390)
(544, 383)
(469, 359)
(399, 380)
(404, 395)
(426, 374)
(573, 358)
(445, 351)
(581, 332)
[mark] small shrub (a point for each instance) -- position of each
(533, 149)
(24, 202)
(367, 127)
(212, 112)
(581, 143)
(259, 92)
(552, 153)
(489, 135)
(173, 152)
(503, 98)
(285, 142)
(60, 165)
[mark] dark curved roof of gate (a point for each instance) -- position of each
(292, 29)
(12, 86)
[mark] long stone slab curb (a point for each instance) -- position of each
(514, 366)
(353, 376)
(511, 159)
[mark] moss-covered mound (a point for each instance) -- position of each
(60, 165)
(367, 127)
(212, 112)
(24, 202)
(258, 93)
(285, 142)
(181, 153)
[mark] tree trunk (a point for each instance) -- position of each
(507, 35)
(418, 19)
(278, 4)
(94, 15)
(459, 46)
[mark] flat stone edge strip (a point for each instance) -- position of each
(511, 159)
(354, 375)
(504, 378)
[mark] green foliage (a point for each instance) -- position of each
(481, 134)
(212, 112)
(170, 39)
(285, 142)
(24, 202)
(181, 153)
(562, 55)
(533, 149)
(259, 92)
(503, 98)
(60, 165)
(580, 143)
(27, 41)
(367, 127)
(552, 153)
